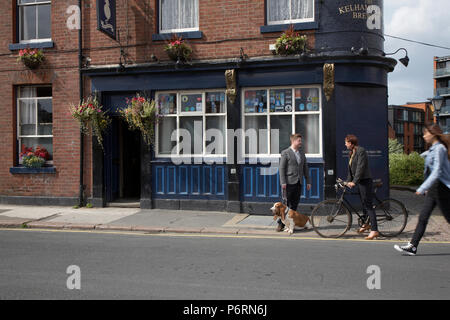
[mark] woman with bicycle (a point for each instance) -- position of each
(436, 186)
(359, 174)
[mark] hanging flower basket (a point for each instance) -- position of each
(178, 50)
(142, 114)
(89, 114)
(290, 42)
(31, 58)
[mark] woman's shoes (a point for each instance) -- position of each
(364, 228)
(373, 235)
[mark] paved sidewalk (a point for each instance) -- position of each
(201, 222)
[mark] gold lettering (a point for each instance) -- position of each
(341, 10)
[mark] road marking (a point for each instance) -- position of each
(197, 235)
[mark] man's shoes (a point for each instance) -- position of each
(409, 249)
(280, 227)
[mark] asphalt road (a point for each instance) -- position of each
(33, 265)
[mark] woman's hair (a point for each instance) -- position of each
(353, 140)
(436, 131)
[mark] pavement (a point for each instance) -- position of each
(198, 222)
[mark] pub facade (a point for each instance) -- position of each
(235, 94)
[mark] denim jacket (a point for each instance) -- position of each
(438, 165)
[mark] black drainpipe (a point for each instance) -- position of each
(80, 64)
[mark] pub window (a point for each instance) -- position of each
(178, 16)
(35, 119)
(290, 110)
(34, 20)
(201, 113)
(289, 11)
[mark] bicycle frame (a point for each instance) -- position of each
(348, 205)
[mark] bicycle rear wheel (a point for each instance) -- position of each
(331, 219)
(392, 217)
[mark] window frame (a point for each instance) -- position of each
(19, 19)
(20, 136)
(290, 21)
(169, 31)
(202, 114)
(293, 117)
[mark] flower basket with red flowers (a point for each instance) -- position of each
(34, 159)
(290, 42)
(141, 114)
(31, 58)
(178, 50)
(89, 114)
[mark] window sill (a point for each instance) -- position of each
(284, 27)
(33, 45)
(25, 170)
(184, 35)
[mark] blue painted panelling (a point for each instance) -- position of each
(266, 188)
(189, 182)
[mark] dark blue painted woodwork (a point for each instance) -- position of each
(189, 181)
(258, 185)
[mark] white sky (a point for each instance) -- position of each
(421, 20)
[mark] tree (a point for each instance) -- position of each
(395, 146)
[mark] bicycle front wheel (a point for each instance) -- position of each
(331, 219)
(392, 217)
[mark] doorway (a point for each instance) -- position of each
(122, 163)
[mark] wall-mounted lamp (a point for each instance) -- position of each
(437, 102)
(242, 57)
(404, 60)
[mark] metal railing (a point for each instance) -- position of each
(442, 72)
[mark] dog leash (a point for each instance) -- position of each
(284, 200)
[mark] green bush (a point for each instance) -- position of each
(406, 170)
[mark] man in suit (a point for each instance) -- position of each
(293, 167)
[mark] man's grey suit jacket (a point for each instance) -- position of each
(291, 171)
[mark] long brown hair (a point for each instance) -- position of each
(436, 131)
(353, 140)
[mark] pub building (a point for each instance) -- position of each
(336, 87)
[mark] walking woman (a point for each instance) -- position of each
(359, 174)
(436, 186)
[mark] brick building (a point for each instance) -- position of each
(442, 88)
(323, 94)
(406, 123)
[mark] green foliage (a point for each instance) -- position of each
(89, 205)
(290, 42)
(406, 169)
(395, 146)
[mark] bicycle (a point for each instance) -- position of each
(332, 218)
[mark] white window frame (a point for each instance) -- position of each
(268, 114)
(202, 114)
(177, 30)
(37, 3)
(290, 13)
(19, 136)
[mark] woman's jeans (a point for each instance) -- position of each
(438, 195)
(366, 193)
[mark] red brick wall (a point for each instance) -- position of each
(227, 25)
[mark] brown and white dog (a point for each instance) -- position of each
(289, 217)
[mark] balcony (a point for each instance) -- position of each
(442, 72)
(443, 91)
(445, 110)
